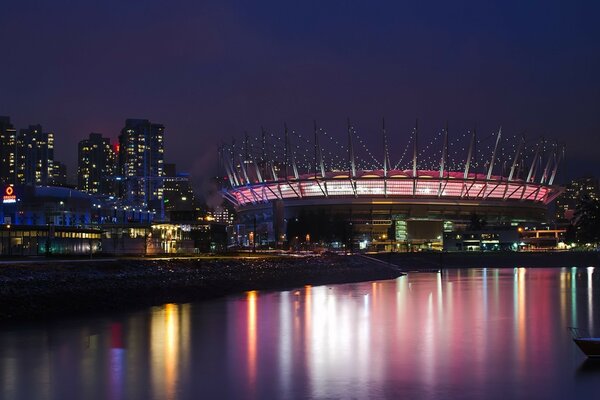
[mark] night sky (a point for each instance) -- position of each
(209, 72)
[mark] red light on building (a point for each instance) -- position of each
(117, 147)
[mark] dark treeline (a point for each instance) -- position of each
(585, 226)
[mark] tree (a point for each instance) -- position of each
(586, 220)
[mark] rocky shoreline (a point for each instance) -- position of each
(51, 289)
(54, 289)
(497, 259)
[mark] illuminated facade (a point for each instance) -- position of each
(141, 163)
(179, 199)
(34, 156)
(96, 165)
(59, 174)
(359, 202)
(8, 148)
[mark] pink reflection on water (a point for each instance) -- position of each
(428, 329)
(463, 333)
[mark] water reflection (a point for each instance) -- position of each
(490, 333)
(251, 301)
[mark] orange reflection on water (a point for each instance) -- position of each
(171, 348)
(165, 350)
(251, 301)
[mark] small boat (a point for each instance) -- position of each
(586, 343)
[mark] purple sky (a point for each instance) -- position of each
(210, 71)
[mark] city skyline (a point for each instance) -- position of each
(211, 72)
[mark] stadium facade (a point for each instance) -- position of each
(284, 196)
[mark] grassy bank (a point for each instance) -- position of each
(48, 290)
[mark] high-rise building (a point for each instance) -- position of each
(179, 199)
(96, 165)
(566, 203)
(8, 142)
(141, 163)
(59, 174)
(34, 156)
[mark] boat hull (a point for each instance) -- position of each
(591, 346)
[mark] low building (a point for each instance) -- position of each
(542, 239)
(484, 240)
(31, 240)
(43, 220)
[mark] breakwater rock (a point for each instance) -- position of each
(48, 290)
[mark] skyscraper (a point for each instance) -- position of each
(141, 163)
(7, 151)
(34, 156)
(96, 165)
(179, 199)
(59, 174)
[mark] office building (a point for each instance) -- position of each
(8, 141)
(141, 163)
(59, 174)
(179, 199)
(34, 156)
(96, 165)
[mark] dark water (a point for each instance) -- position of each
(494, 334)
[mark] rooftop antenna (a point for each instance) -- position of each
(285, 153)
(246, 157)
(351, 151)
(517, 159)
(444, 151)
(415, 147)
(443, 160)
(548, 164)
(470, 153)
(386, 156)
(319, 165)
(231, 161)
(294, 166)
(491, 167)
(263, 150)
(244, 170)
(559, 157)
(531, 174)
(259, 177)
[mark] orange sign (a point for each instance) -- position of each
(9, 195)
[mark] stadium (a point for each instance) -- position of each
(290, 189)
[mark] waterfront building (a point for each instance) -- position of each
(353, 199)
(96, 165)
(486, 240)
(49, 209)
(8, 142)
(141, 163)
(543, 239)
